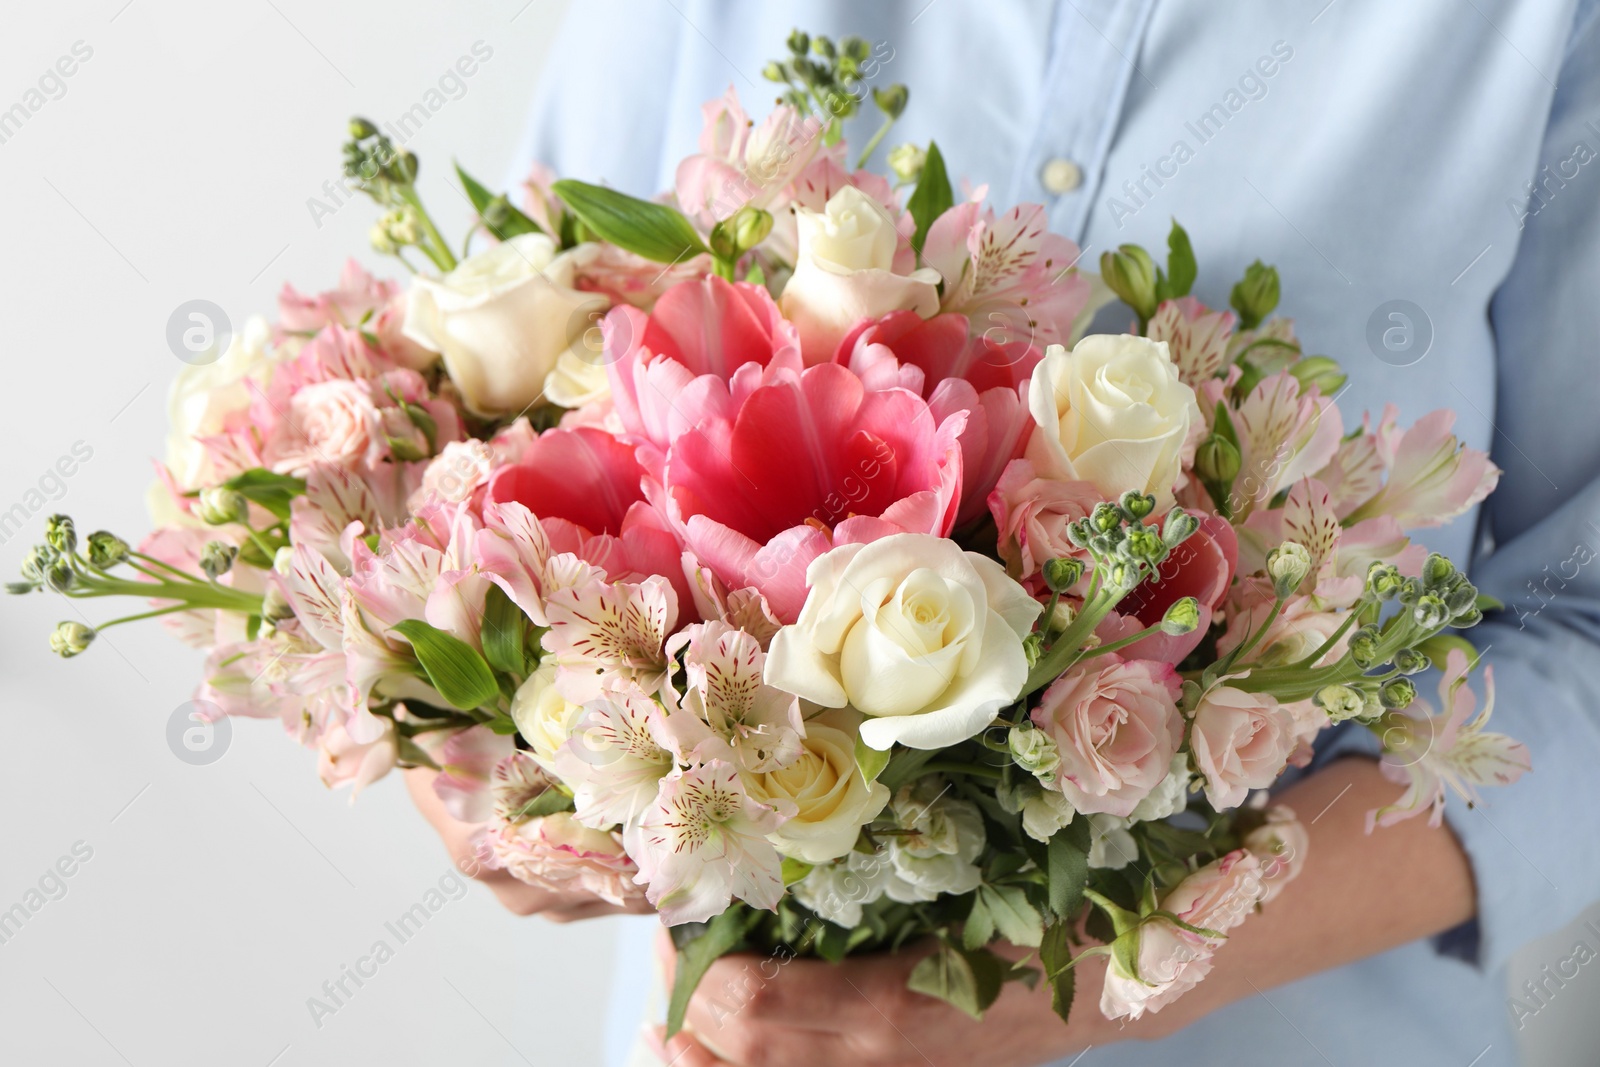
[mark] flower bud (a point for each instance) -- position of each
(1430, 612)
(906, 161)
(61, 534)
(283, 559)
(1461, 599)
(37, 563)
(1364, 647)
(1384, 580)
(1411, 661)
(70, 638)
(219, 507)
(800, 43)
(1288, 565)
(1217, 460)
(891, 101)
(1437, 572)
(405, 167)
(1467, 619)
(1137, 504)
(59, 575)
(1410, 590)
(1182, 617)
(856, 49)
(1062, 573)
(19, 588)
(1319, 371)
(1080, 533)
(1397, 693)
(1105, 517)
(1035, 751)
(380, 240)
(736, 235)
(106, 549)
(1179, 526)
(1144, 543)
(1130, 273)
(1339, 701)
(773, 72)
(216, 559)
(1255, 295)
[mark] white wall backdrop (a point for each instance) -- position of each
(206, 904)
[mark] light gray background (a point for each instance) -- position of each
(177, 165)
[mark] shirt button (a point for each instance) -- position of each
(1060, 176)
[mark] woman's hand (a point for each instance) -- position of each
(518, 897)
(755, 1011)
(768, 1011)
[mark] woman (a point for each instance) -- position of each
(1424, 178)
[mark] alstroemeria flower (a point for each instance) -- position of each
(1284, 435)
(703, 843)
(1010, 274)
(1433, 477)
(740, 165)
(606, 634)
(1196, 336)
(615, 758)
(1428, 752)
(727, 711)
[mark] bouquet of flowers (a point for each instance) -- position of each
(780, 552)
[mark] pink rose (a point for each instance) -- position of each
(1241, 741)
(328, 422)
(1033, 514)
(561, 854)
(1280, 844)
(1172, 960)
(342, 760)
(1117, 729)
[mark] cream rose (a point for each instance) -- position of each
(504, 320)
(830, 799)
(544, 717)
(844, 272)
(1112, 412)
(923, 638)
(203, 395)
(1241, 741)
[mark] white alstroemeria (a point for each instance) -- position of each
(605, 634)
(615, 758)
(514, 782)
(726, 711)
(1428, 752)
(703, 843)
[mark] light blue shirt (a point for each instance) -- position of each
(1445, 153)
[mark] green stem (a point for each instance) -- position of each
(435, 247)
(1121, 642)
(157, 613)
(877, 138)
(977, 770)
(1326, 646)
(1248, 645)
(185, 575)
(220, 597)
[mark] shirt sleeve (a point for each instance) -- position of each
(1532, 845)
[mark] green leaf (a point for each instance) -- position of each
(699, 946)
(1488, 603)
(549, 802)
(454, 667)
(794, 870)
(1055, 955)
(905, 765)
(499, 215)
(948, 975)
(978, 930)
(504, 725)
(654, 231)
(1015, 918)
(1437, 649)
(931, 198)
(1222, 424)
(504, 629)
(870, 760)
(1181, 269)
(1069, 868)
(268, 489)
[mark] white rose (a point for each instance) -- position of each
(831, 799)
(911, 630)
(544, 718)
(1044, 813)
(843, 273)
(1112, 412)
(502, 321)
(202, 396)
